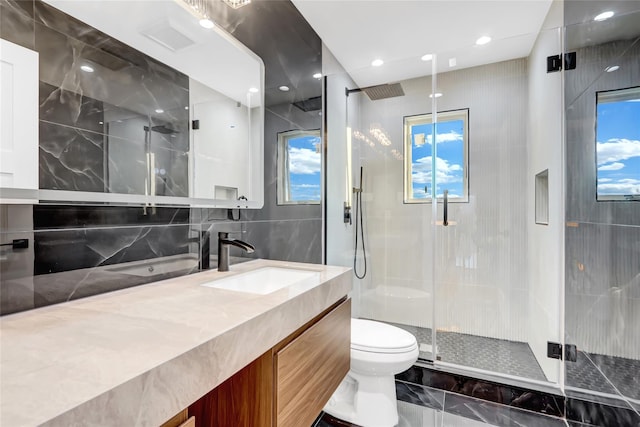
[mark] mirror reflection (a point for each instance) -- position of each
(118, 86)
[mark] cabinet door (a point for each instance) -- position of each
(310, 368)
(18, 116)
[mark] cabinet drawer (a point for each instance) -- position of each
(310, 368)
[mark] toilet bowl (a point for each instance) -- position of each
(367, 396)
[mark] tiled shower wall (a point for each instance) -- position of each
(72, 249)
(481, 281)
(602, 238)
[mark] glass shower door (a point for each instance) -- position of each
(497, 261)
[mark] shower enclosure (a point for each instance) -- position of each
(463, 203)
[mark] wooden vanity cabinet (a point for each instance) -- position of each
(288, 385)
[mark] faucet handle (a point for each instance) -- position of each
(225, 234)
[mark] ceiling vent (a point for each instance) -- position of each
(168, 36)
(311, 104)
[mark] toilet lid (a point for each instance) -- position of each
(377, 337)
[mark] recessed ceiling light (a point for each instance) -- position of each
(483, 40)
(427, 57)
(100, 123)
(284, 88)
(604, 16)
(612, 68)
(436, 95)
(186, 108)
(159, 111)
(86, 68)
(452, 62)
(317, 76)
(206, 23)
(377, 62)
(253, 90)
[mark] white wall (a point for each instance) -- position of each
(544, 152)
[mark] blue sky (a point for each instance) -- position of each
(449, 159)
(304, 168)
(618, 147)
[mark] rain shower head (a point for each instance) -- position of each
(162, 129)
(380, 91)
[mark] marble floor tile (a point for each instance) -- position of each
(420, 395)
(451, 420)
(418, 416)
(460, 411)
(497, 415)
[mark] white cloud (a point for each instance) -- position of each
(445, 172)
(303, 161)
(622, 186)
(451, 136)
(605, 180)
(306, 185)
(615, 150)
(611, 167)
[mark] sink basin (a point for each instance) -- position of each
(266, 280)
(157, 266)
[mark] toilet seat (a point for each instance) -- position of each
(376, 337)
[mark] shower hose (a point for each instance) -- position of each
(358, 204)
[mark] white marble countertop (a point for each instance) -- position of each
(140, 355)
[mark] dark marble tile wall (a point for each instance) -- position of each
(80, 251)
(16, 22)
(602, 254)
(294, 232)
(501, 404)
(516, 397)
(593, 413)
(97, 127)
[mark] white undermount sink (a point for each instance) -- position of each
(266, 280)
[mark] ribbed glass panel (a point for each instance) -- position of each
(602, 288)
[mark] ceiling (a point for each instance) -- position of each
(401, 32)
(276, 31)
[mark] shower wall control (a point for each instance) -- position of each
(347, 213)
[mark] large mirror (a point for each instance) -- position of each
(139, 103)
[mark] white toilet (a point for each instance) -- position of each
(367, 396)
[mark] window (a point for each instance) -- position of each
(299, 162)
(451, 160)
(618, 144)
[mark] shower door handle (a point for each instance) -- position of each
(445, 203)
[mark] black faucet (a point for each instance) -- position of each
(204, 249)
(223, 249)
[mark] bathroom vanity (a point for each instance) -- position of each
(175, 350)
